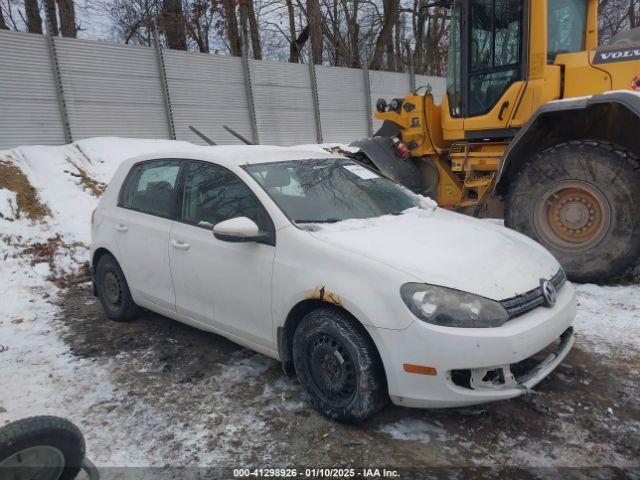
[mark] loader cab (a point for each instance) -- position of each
(495, 48)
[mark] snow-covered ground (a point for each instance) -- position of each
(38, 373)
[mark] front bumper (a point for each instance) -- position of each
(487, 355)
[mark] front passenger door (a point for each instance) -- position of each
(221, 284)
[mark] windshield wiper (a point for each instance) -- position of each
(328, 220)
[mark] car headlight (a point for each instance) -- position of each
(452, 308)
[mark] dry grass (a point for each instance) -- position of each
(96, 188)
(29, 205)
(45, 252)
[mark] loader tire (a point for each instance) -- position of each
(581, 200)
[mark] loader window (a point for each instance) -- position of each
(454, 91)
(566, 26)
(494, 56)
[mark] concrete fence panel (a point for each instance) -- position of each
(284, 103)
(207, 91)
(29, 109)
(342, 111)
(112, 90)
(119, 90)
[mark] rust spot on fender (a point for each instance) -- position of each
(320, 293)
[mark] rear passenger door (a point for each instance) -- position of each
(222, 284)
(148, 205)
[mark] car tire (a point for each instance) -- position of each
(339, 366)
(581, 200)
(41, 442)
(113, 290)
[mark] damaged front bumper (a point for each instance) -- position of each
(476, 365)
(515, 376)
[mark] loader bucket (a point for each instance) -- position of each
(380, 151)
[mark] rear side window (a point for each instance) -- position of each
(151, 187)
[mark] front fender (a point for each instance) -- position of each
(606, 117)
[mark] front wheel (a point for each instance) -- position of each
(581, 200)
(339, 366)
(41, 448)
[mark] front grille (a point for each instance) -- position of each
(525, 302)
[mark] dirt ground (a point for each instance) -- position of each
(249, 414)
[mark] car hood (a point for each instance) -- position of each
(447, 249)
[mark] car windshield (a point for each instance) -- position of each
(330, 190)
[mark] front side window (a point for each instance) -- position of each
(566, 26)
(151, 188)
(213, 194)
(330, 190)
(495, 51)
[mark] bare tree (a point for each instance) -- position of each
(231, 23)
(199, 19)
(33, 18)
(385, 38)
(314, 20)
(172, 24)
(50, 12)
(249, 25)
(3, 23)
(67, 11)
(353, 29)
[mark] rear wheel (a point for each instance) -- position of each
(339, 366)
(581, 200)
(113, 290)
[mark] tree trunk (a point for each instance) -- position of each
(294, 53)
(337, 44)
(254, 29)
(231, 20)
(632, 14)
(249, 24)
(173, 24)
(3, 23)
(391, 10)
(353, 29)
(32, 12)
(50, 10)
(314, 18)
(67, 11)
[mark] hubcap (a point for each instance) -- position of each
(332, 370)
(572, 215)
(35, 463)
(112, 289)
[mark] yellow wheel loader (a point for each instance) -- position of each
(538, 123)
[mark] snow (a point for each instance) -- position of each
(39, 373)
(8, 205)
(425, 210)
(416, 430)
(609, 317)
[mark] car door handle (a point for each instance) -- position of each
(121, 228)
(180, 245)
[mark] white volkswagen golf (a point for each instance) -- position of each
(367, 291)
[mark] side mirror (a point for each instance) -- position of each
(240, 229)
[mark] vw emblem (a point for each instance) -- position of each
(548, 292)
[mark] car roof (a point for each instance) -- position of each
(237, 154)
